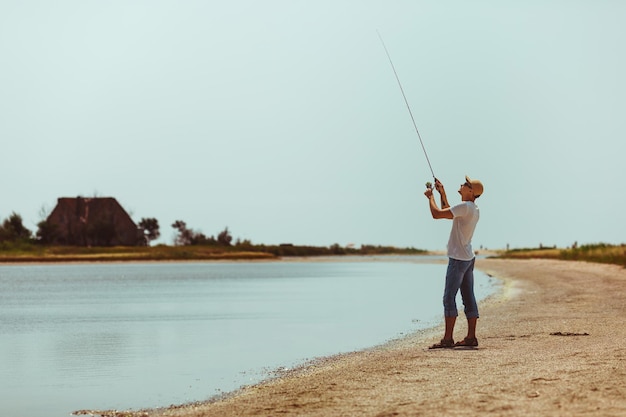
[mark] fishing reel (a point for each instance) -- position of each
(429, 185)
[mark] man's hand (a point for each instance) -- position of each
(437, 213)
(439, 186)
(442, 192)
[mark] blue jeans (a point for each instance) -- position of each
(460, 275)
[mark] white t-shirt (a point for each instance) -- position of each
(464, 222)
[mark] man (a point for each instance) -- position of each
(460, 274)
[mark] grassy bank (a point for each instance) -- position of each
(35, 253)
(28, 252)
(599, 252)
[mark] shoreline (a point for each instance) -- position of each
(547, 347)
(263, 257)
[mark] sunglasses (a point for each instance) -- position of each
(467, 184)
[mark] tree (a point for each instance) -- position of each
(13, 229)
(46, 232)
(185, 235)
(150, 228)
(224, 238)
(188, 236)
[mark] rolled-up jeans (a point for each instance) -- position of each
(460, 275)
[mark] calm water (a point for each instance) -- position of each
(118, 336)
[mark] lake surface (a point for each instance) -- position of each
(137, 335)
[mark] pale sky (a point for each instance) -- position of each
(282, 120)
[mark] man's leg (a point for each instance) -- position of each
(471, 327)
(447, 341)
(454, 278)
(469, 301)
(450, 321)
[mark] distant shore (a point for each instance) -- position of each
(31, 253)
(116, 258)
(549, 345)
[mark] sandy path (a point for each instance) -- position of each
(520, 369)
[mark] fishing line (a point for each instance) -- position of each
(407, 103)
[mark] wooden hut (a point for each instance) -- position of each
(96, 221)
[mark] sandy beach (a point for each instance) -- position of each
(552, 343)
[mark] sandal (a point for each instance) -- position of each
(468, 342)
(444, 344)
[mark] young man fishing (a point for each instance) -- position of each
(460, 274)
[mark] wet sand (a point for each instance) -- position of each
(552, 343)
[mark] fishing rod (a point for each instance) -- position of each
(407, 105)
